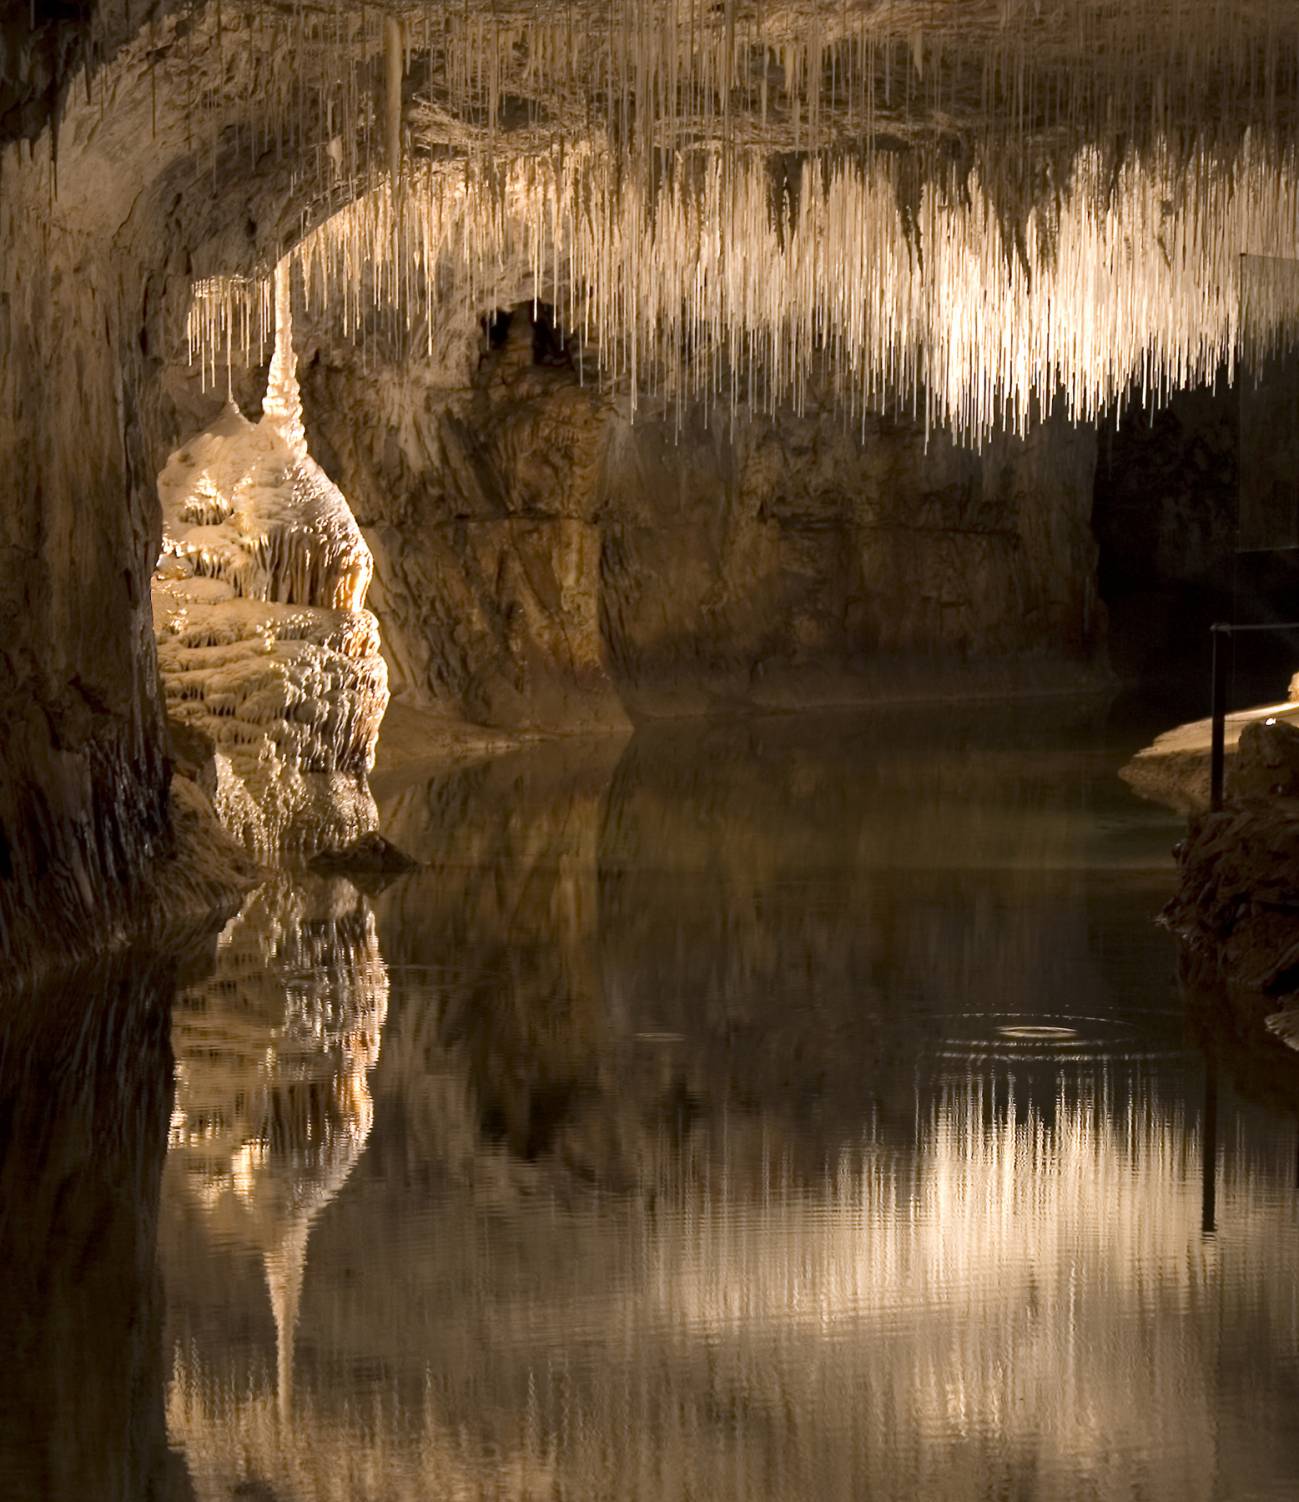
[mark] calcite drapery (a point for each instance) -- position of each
(264, 642)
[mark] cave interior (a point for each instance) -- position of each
(575, 580)
(556, 369)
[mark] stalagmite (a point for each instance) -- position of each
(264, 641)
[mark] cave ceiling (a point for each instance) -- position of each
(965, 205)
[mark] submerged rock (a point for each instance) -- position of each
(370, 855)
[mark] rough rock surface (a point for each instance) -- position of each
(543, 565)
(1236, 910)
(478, 501)
(1237, 905)
(370, 855)
(1267, 760)
(264, 643)
(83, 776)
(96, 253)
(795, 562)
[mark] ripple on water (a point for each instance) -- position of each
(1059, 1037)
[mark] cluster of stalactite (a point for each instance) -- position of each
(329, 82)
(725, 284)
(721, 196)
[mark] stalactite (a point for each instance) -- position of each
(394, 67)
(1129, 277)
(948, 284)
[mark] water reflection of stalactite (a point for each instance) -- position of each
(727, 1186)
(273, 1105)
(1016, 1303)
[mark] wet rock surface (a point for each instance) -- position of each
(1267, 760)
(370, 855)
(1237, 906)
(1236, 910)
(1259, 747)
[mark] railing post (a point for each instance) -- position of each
(1221, 637)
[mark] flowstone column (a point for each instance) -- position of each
(264, 642)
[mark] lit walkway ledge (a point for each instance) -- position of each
(1174, 769)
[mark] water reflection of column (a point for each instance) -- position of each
(524, 1009)
(273, 1104)
(285, 1265)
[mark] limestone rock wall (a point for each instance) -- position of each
(83, 778)
(478, 493)
(798, 562)
(106, 212)
(543, 565)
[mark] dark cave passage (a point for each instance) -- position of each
(1171, 563)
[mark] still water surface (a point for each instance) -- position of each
(789, 1110)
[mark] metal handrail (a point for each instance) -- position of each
(1218, 700)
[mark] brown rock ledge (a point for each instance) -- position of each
(1236, 910)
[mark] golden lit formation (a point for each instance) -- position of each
(545, 963)
(1125, 283)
